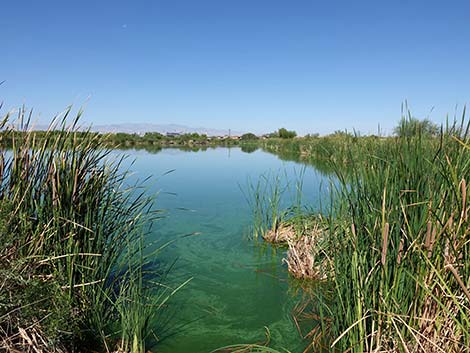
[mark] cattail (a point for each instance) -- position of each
(74, 190)
(400, 250)
(26, 165)
(385, 243)
(428, 236)
(53, 173)
(433, 240)
(463, 185)
(2, 166)
(446, 250)
(452, 269)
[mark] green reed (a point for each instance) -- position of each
(268, 196)
(401, 261)
(264, 198)
(397, 239)
(73, 265)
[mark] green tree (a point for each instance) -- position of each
(410, 126)
(286, 134)
(248, 136)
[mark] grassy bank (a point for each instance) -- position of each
(401, 268)
(74, 274)
(395, 242)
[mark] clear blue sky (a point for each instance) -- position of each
(250, 65)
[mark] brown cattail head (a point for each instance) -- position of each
(385, 243)
(400, 250)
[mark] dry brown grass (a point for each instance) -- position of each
(282, 234)
(28, 340)
(303, 255)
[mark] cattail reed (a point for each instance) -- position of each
(400, 250)
(385, 243)
(463, 186)
(421, 177)
(72, 240)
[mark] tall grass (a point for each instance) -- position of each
(265, 200)
(74, 274)
(401, 263)
(269, 198)
(397, 240)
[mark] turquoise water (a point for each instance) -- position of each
(238, 286)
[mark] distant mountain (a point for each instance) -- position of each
(141, 128)
(161, 128)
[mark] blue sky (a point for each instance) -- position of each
(312, 66)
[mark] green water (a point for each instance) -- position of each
(239, 287)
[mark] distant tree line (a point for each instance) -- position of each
(407, 127)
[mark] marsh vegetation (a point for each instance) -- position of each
(392, 250)
(382, 265)
(75, 274)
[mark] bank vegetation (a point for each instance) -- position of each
(392, 251)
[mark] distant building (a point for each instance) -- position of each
(173, 134)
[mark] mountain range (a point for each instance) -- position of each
(141, 128)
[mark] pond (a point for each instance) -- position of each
(239, 287)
